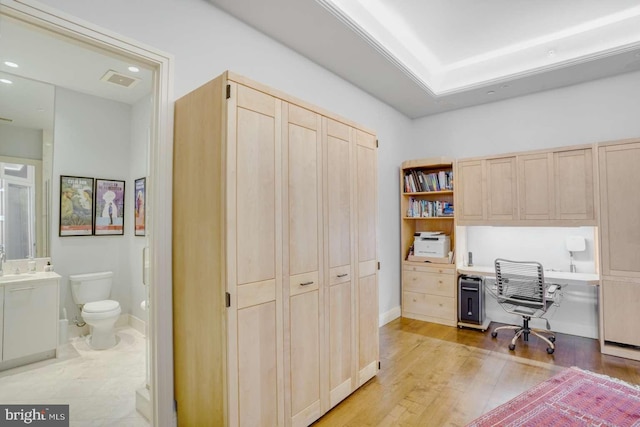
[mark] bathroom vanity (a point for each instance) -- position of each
(28, 318)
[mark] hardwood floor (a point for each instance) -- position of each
(434, 375)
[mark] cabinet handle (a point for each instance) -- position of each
(306, 283)
(22, 289)
(343, 275)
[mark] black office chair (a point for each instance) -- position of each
(521, 289)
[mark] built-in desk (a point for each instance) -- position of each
(578, 312)
(559, 276)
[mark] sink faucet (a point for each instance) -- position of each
(3, 256)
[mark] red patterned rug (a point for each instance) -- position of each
(573, 397)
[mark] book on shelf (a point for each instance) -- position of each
(417, 181)
(429, 208)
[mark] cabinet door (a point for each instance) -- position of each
(502, 189)
(469, 188)
(340, 346)
(619, 207)
(574, 184)
(1, 319)
(302, 160)
(536, 189)
(620, 302)
(30, 318)
(254, 273)
(367, 281)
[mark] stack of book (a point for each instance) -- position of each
(428, 208)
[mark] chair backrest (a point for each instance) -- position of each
(520, 282)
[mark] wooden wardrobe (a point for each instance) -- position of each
(275, 285)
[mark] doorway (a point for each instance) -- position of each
(158, 226)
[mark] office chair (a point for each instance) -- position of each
(521, 289)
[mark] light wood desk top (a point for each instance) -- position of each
(589, 278)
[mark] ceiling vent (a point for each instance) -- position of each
(119, 79)
(5, 120)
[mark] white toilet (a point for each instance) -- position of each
(91, 292)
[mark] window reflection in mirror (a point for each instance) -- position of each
(18, 210)
(26, 153)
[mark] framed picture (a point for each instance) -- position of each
(76, 206)
(109, 216)
(138, 208)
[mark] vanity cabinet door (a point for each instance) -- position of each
(30, 319)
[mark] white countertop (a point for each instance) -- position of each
(8, 279)
(589, 278)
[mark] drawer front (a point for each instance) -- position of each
(339, 275)
(425, 269)
(430, 305)
(429, 283)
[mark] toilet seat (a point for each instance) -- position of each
(101, 306)
(99, 310)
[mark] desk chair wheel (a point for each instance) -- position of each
(513, 347)
(494, 334)
(550, 350)
(552, 339)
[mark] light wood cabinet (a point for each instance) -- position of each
(275, 231)
(542, 188)
(470, 180)
(535, 180)
(502, 189)
(619, 180)
(573, 180)
(429, 294)
(428, 290)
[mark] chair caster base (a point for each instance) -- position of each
(512, 347)
(550, 350)
(494, 334)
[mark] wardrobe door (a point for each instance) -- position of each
(367, 268)
(340, 238)
(254, 227)
(303, 320)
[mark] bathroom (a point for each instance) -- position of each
(88, 128)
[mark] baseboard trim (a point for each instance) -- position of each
(390, 315)
(138, 324)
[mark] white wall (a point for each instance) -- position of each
(92, 139)
(543, 244)
(20, 142)
(206, 41)
(597, 111)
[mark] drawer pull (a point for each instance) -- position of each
(343, 274)
(306, 283)
(22, 289)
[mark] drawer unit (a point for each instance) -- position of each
(429, 294)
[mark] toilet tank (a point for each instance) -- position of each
(90, 287)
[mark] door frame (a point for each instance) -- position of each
(161, 161)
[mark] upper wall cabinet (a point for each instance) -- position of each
(546, 188)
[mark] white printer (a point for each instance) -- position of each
(431, 244)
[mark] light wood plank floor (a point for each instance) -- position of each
(434, 375)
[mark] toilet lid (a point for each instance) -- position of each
(100, 306)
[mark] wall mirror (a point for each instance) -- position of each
(35, 65)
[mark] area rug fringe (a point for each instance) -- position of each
(607, 377)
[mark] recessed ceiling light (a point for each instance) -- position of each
(6, 81)
(551, 52)
(504, 86)
(491, 92)
(10, 64)
(134, 69)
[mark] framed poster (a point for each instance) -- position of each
(138, 208)
(109, 216)
(76, 206)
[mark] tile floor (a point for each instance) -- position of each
(99, 386)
